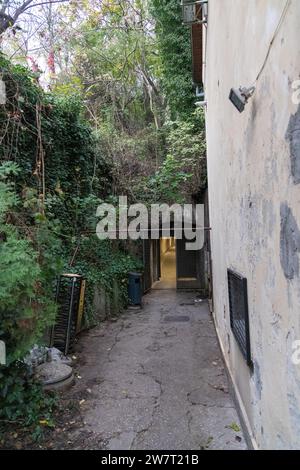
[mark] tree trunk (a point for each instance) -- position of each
(6, 22)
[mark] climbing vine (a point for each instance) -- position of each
(119, 120)
(52, 177)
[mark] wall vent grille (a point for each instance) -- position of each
(239, 314)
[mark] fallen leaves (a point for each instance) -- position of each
(234, 426)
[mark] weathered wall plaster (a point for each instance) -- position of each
(289, 243)
(293, 136)
(254, 176)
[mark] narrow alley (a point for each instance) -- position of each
(154, 379)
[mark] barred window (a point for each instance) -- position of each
(239, 314)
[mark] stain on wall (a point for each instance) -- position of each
(257, 379)
(293, 137)
(289, 243)
(254, 178)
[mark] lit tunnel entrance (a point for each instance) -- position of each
(167, 264)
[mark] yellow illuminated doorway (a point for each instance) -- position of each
(167, 264)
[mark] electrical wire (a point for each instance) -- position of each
(282, 18)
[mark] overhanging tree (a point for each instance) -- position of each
(11, 11)
(174, 41)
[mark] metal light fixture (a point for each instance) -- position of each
(239, 98)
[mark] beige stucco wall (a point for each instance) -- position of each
(253, 182)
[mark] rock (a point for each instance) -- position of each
(54, 375)
(37, 355)
(55, 355)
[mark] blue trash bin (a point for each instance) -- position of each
(135, 288)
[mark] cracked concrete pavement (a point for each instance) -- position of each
(156, 380)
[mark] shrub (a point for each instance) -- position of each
(26, 305)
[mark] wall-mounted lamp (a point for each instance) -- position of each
(239, 98)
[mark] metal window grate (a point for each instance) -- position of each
(239, 314)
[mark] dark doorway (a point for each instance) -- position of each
(190, 266)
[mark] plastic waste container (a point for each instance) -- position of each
(135, 288)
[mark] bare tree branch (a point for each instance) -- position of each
(8, 20)
(4, 6)
(49, 2)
